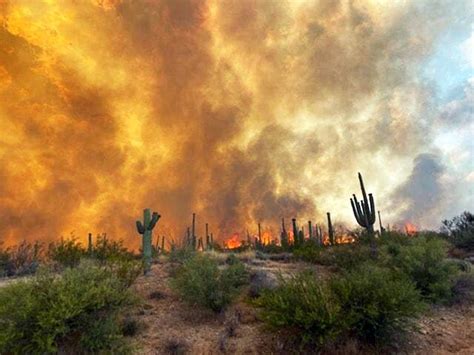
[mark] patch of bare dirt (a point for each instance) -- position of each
(445, 331)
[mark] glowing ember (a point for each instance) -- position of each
(410, 228)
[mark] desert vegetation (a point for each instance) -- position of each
(314, 292)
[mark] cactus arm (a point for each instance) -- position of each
(362, 187)
(365, 213)
(356, 211)
(360, 210)
(154, 219)
(372, 209)
(140, 227)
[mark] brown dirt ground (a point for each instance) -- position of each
(169, 323)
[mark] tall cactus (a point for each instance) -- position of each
(89, 244)
(364, 211)
(330, 230)
(295, 232)
(283, 235)
(193, 233)
(382, 229)
(260, 235)
(310, 228)
(145, 229)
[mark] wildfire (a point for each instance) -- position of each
(345, 239)
(233, 242)
(410, 228)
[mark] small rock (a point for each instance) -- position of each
(262, 280)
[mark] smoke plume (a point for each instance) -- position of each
(241, 111)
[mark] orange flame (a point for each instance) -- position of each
(233, 242)
(410, 228)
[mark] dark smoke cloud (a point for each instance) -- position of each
(419, 197)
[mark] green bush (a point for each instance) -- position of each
(376, 302)
(77, 311)
(107, 250)
(200, 281)
(180, 255)
(423, 259)
(21, 259)
(305, 309)
(460, 231)
(310, 252)
(66, 252)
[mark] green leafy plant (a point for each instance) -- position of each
(66, 252)
(376, 302)
(109, 250)
(19, 260)
(423, 260)
(78, 310)
(460, 231)
(200, 281)
(305, 309)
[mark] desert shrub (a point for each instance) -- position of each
(345, 256)
(19, 260)
(107, 250)
(126, 270)
(305, 309)
(310, 252)
(371, 303)
(66, 252)
(376, 302)
(424, 261)
(460, 231)
(77, 310)
(200, 281)
(393, 238)
(180, 255)
(232, 259)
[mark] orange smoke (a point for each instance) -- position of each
(240, 111)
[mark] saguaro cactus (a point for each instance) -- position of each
(145, 229)
(284, 235)
(382, 229)
(260, 234)
(295, 232)
(310, 228)
(330, 229)
(364, 211)
(193, 234)
(89, 244)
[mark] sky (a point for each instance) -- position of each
(241, 111)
